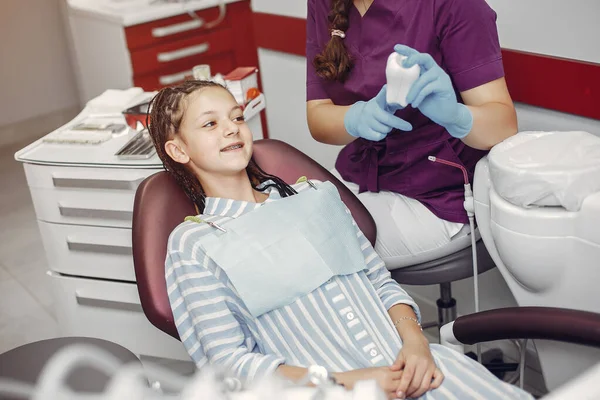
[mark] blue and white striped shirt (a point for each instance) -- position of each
(342, 325)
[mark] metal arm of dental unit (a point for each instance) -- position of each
(470, 209)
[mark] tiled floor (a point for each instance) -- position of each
(25, 297)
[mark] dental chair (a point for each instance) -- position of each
(160, 205)
(537, 204)
(160, 192)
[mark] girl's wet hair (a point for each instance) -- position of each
(167, 110)
(335, 63)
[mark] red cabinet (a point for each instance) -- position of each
(163, 52)
(114, 51)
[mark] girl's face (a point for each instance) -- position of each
(213, 137)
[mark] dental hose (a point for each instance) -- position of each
(470, 209)
(471, 216)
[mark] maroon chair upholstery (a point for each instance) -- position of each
(160, 205)
(558, 324)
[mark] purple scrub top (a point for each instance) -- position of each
(462, 37)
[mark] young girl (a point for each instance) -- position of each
(272, 278)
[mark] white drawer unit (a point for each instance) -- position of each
(63, 177)
(110, 311)
(85, 207)
(86, 196)
(88, 251)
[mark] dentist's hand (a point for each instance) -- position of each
(374, 119)
(433, 94)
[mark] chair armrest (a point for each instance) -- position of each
(564, 325)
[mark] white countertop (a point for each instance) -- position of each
(134, 12)
(108, 107)
(88, 155)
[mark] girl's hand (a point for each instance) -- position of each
(419, 372)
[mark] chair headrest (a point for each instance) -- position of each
(160, 205)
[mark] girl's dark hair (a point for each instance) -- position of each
(335, 63)
(164, 119)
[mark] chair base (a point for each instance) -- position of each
(446, 306)
(493, 360)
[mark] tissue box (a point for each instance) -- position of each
(242, 82)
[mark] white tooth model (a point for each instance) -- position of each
(399, 79)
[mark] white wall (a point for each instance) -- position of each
(36, 77)
(284, 83)
(553, 27)
(286, 104)
(289, 8)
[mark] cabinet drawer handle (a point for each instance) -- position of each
(68, 211)
(106, 299)
(96, 183)
(75, 245)
(195, 23)
(170, 79)
(182, 53)
(177, 28)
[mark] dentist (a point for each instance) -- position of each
(458, 109)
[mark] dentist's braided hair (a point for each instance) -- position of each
(335, 63)
(164, 119)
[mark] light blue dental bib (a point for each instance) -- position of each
(287, 248)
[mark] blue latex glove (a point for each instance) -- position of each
(433, 94)
(374, 119)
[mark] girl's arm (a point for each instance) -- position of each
(405, 320)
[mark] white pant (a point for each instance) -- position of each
(405, 227)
